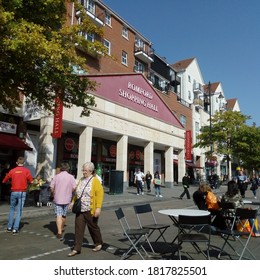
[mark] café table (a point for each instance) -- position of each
(174, 214)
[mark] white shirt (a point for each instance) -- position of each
(139, 176)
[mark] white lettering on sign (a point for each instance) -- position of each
(8, 127)
(137, 99)
(140, 90)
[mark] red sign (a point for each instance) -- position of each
(69, 144)
(57, 120)
(188, 144)
(134, 92)
(112, 150)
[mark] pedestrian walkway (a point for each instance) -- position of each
(111, 200)
(38, 235)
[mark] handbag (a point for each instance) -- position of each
(157, 182)
(76, 208)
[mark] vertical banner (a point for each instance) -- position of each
(57, 120)
(188, 145)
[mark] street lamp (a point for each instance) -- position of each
(210, 94)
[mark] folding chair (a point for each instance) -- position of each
(189, 235)
(136, 236)
(147, 213)
(241, 216)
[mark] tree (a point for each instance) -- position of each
(38, 56)
(224, 130)
(246, 147)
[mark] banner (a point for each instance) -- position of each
(57, 120)
(188, 145)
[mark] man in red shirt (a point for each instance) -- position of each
(20, 177)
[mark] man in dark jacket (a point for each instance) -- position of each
(186, 185)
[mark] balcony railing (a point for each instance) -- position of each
(198, 102)
(96, 19)
(176, 81)
(197, 88)
(143, 55)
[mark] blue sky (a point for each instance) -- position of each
(224, 36)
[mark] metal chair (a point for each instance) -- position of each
(187, 232)
(150, 222)
(241, 217)
(136, 236)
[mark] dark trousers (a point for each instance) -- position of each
(139, 186)
(36, 195)
(242, 189)
(81, 220)
(185, 191)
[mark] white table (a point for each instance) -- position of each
(185, 212)
(174, 214)
(247, 201)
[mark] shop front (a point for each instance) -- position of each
(11, 146)
(129, 126)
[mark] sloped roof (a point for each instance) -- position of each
(182, 64)
(231, 103)
(213, 87)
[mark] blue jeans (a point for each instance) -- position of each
(17, 199)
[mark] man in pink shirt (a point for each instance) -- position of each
(20, 177)
(62, 186)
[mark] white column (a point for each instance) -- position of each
(85, 148)
(169, 168)
(181, 165)
(149, 158)
(46, 156)
(121, 157)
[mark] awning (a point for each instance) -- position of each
(8, 141)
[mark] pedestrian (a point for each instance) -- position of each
(213, 180)
(139, 177)
(62, 187)
(157, 184)
(148, 180)
(20, 177)
(91, 193)
(35, 189)
(254, 185)
(242, 183)
(186, 185)
(5, 187)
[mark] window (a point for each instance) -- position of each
(108, 19)
(152, 78)
(183, 120)
(91, 6)
(139, 67)
(189, 95)
(139, 43)
(89, 37)
(107, 44)
(189, 78)
(124, 58)
(125, 32)
(162, 84)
